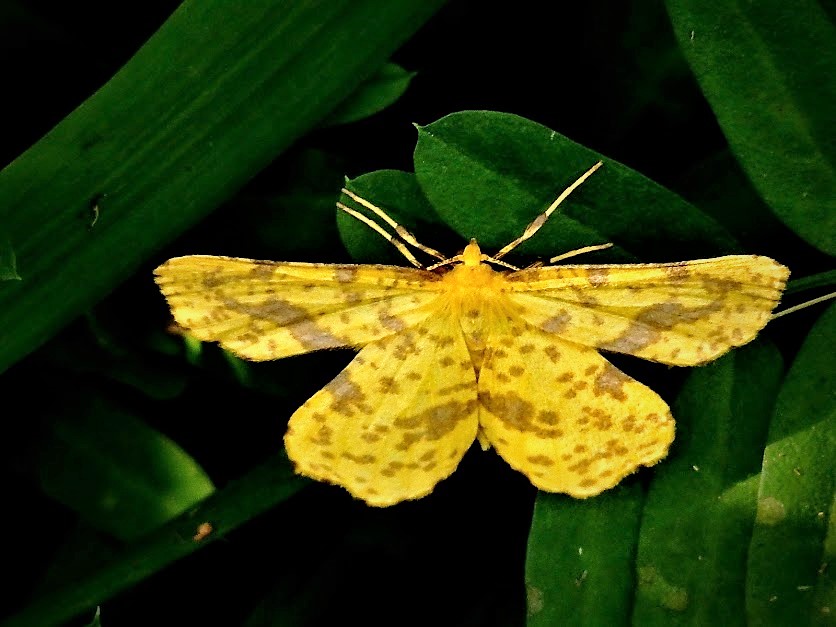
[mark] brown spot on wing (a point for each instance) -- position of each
(285, 314)
(428, 455)
(456, 387)
(345, 274)
(547, 416)
(346, 397)
(611, 381)
(516, 412)
(646, 329)
(678, 273)
(556, 323)
(388, 385)
(213, 279)
(541, 460)
(598, 275)
(262, 270)
(445, 341)
(323, 436)
(390, 322)
(359, 459)
(434, 422)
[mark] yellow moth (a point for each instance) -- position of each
(472, 347)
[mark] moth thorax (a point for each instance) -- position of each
(468, 278)
(472, 254)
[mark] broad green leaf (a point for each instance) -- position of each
(824, 592)
(789, 582)
(205, 104)
(374, 94)
(766, 70)
(489, 174)
(579, 567)
(398, 194)
(264, 487)
(120, 475)
(700, 507)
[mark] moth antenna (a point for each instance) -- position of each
(803, 305)
(383, 232)
(540, 220)
(580, 251)
(446, 262)
(499, 262)
(405, 235)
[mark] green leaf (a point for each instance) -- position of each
(264, 487)
(489, 174)
(579, 567)
(116, 472)
(374, 94)
(205, 104)
(788, 577)
(766, 70)
(700, 508)
(824, 593)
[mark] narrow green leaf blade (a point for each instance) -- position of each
(209, 100)
(766, 70)
(579, 567)
(489, 174)
(700, 508)
(264, 487)
(788, 578)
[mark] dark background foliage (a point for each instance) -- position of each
(609, 75)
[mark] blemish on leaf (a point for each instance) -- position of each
(771, 511)
(534, 599)
(654, 586)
